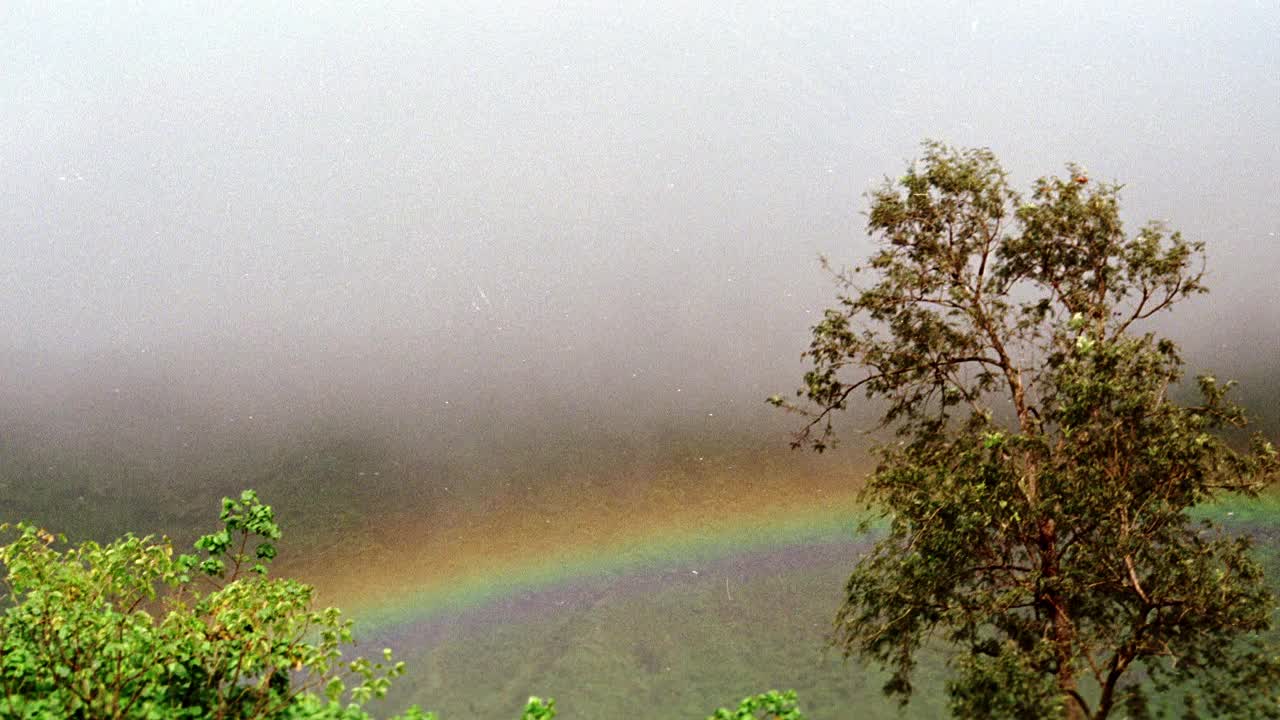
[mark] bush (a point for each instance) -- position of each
(773, 704)
(129, 631)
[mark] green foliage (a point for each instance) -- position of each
(772, 705)
(539, 709)
(128, 630)
(1039, 487)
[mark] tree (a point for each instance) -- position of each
(1041, 471)
(128, 630)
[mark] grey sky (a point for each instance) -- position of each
(615, 207)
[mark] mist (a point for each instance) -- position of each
(495, 235)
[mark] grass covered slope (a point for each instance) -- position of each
(610, 647)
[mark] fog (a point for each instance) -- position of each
(471, 222)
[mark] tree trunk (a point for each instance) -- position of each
(1060, 623)
(1066, 673)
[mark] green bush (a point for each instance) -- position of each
(772, 705)
(128, 630)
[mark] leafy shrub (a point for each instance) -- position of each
(774, 705)
(129, 631)
(539, 709)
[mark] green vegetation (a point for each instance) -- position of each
(773, 705)
(1040, 483)
(129, 630)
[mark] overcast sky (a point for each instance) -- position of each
(613, 206)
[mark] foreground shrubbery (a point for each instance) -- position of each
(130, 630)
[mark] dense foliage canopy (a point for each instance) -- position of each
(129, 630)
(1039, 480)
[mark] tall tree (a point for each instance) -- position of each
(1039, 483)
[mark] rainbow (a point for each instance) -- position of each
(412, 568)
(559, 595)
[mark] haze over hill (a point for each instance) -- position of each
(450, 260)
(463, 220)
